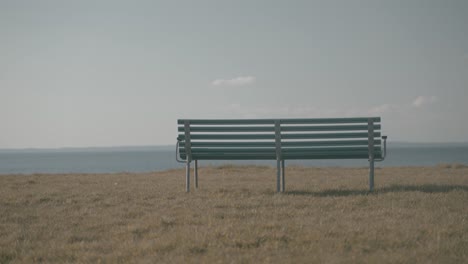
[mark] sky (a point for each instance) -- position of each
(118, 73)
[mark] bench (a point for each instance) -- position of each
(280, 140)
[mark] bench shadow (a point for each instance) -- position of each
(425, 188)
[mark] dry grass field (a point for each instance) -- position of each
(416, 215)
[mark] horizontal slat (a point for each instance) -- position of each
(328, 143)
(327, 150)
(230, 129)
(273, 150)
(231, 157)
(326, 128)
(327, 135)
(227, 121)
(272, 128)
(355, 155)
(329, 120)
(229, 136)
(240, 144)
(233, 144)
(282, 121)
(230, 150)
(326, 156)
(286, 156)
(272, 136)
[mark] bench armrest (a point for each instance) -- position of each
(177, 152)
(384, 148)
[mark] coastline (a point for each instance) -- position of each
(136, 160)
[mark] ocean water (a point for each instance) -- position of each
(110, 161)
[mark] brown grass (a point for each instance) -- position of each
(416, 215)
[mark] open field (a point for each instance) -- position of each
(416, 215)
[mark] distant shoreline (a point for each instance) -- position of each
(91, 149)
(441, 166)
(149, 159)
(397, 144)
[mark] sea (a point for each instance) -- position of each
(151, 159)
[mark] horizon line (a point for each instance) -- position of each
(172, 145)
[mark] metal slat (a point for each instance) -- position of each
(270, 144)
(327, 150)
(299, 121)
(282, 121)
(228, 121)
(286, 149)
(230, 129)
(230, 136)
(232, 150)
(237, 156)
(327, 143)
(326, 156)
(251, 151)
(238, 144)
(234, 157)
(283, 136)
(326, 128)
(328, 135)
(307, 155)
(285, 156)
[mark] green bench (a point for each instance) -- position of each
(280, 140)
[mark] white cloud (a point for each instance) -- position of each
(383, 109)
(421, 100)
(389, 108)
(234, 82)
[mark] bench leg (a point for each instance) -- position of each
(187, 177)
(283, 176)
(278, 175)
(196, 174)
(371, 175)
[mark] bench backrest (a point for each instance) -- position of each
(282, 139)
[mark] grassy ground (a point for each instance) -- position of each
(416, 215)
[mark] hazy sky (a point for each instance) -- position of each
(105, 73)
